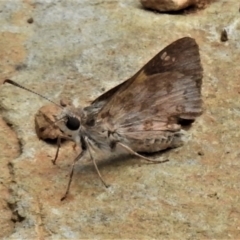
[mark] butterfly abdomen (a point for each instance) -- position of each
(156, 143)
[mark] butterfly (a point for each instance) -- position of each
(145, 113)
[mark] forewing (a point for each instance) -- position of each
(182, 51)
(165, 90)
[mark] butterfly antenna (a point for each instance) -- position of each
(29, 90)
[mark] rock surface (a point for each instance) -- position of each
(175, 5)
(77, 50)
(45, 120)
(167, 5)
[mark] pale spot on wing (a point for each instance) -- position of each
(167, 58)
(173, 127)
(164, 55)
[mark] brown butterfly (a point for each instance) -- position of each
(146, 113)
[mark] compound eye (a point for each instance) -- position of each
(72, 123)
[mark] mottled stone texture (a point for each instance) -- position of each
(167, 5)
(76, 49)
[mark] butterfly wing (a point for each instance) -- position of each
(166, 90)
(156, 65)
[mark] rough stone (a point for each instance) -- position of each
(77, 50)
(174, 5)
(166, 5)
(45, 120)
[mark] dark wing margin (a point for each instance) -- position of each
(182, 56)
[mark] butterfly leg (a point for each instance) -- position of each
(58, 147)
(95, 165)
(139, 155)
(71, 173)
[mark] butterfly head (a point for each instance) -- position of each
(72, 123)
(69, 122)
(70, 118)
